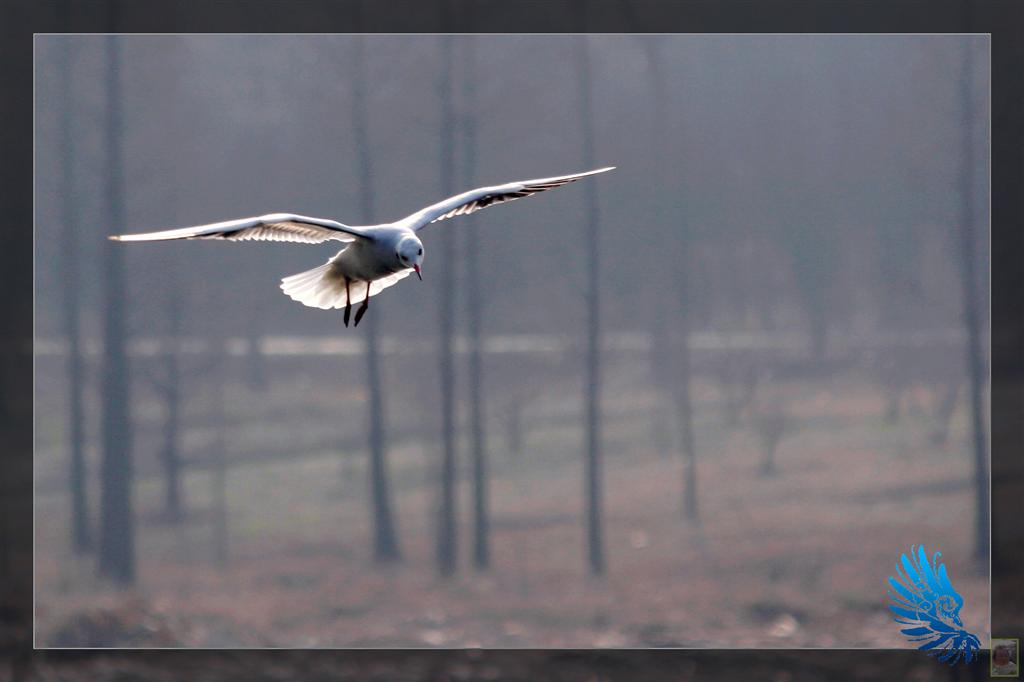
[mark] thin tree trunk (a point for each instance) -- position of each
(514, 425)
(446, 538)
(770, 424)
(117, 527)
(171, 389)
(385, 538)
(592, 385)
(255, 361)
(219, 474)
(81, 526)
(274, 142)
(474, 321)
(819, 328)
(684, 409)
(678, 362)
(171, 455)
(972, 321)
(660, 360)
(943, 412)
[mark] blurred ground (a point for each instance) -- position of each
(799, 559)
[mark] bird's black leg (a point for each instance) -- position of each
(362, 308)
(348, 304)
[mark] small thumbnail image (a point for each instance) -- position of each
(1005, 657)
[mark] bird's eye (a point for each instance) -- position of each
(420, 252)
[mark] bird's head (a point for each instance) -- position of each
(410, 253)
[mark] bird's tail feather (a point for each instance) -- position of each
(322, 287)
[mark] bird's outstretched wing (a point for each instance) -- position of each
(482, 197)
(275, 227)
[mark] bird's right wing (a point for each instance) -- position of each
(275, 227)
(482, 197)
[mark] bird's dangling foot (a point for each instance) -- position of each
(362, 308)
(348, 305)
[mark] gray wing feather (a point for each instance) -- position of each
(482, 197)
(276, 227)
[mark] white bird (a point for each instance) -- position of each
(376, 256)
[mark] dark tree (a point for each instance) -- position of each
(274, 142)
(943, 413)
(218, 456)
(968, 232)
(167, 379)
(814, 251)
(256, 369)
(680, 371)
(770, 425)
(81, 526)
(675, 356)
(117, 523)
(385, 539)
(447, 529)
(660, 357)
(814, 260)
(514, 424)
(661, 347)
(474, 320)
(169, 387)
(592, 383)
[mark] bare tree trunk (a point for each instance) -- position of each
(385, 539)
(943, 412)
(170, 387)
(447, 529)
(972, 321)
(274, 142)
(474, 322)
(255, 362)
(514, 425)
(818, 325)
(677, 362)
(660, 360)
(770, 423)
(171, 455)
(81, 526)
(592, 386)
(117, 524)
(684, 409)
(219, 474)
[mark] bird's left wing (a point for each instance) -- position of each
(276, 227)
(482, 197)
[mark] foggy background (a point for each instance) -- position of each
(706, 399)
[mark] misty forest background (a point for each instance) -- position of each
(706, 399)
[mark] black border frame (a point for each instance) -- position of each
(20, 19)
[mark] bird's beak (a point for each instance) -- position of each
(417, 269)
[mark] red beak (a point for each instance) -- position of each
(417, 269)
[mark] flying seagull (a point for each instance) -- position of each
(376, 256)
